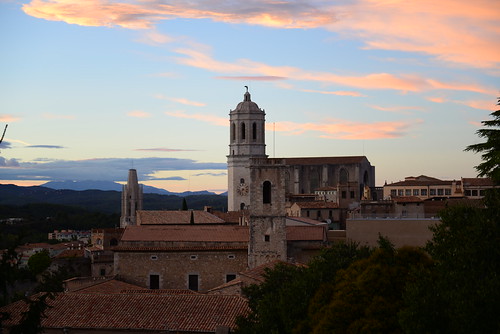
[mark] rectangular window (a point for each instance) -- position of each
(407, 192)
(416, 192)
(230, 277)
(193, 282)
(474, 192)
(400, 192)
(423, 192)
(440, 192)
(103, 272)
(393, 192)
(344, 194)
(468, 193)
(154, 281)
(352, 194)
(308, 213)
(319, 214)
(433, 192)
(447, 192)
(267, 238)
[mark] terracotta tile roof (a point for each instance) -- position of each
(163, 291)
(110, 286)
(258, 272)
(233, 282)
(230, 216)
(138, 312)
(190, 232)
(304, 220)
(323, 160)
(71, 253)
(302, 233)
(180, 248)
(423, 180)
(176, 217)
(478, 181)
(317, 205)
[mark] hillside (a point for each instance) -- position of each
(102, 201)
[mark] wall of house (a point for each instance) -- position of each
(401, 232)
(174, 267)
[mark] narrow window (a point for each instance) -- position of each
(344, 194)
(242, 130)
(319, 213)
(242, 180)
(193, 282)
(266, 191)
(415, 192)
(230, 277)
(267, 238)
(103, 272)
(233, 132)
(343, 177)
(242, 206)
(154, 281)
(352, 194)
(254, 131)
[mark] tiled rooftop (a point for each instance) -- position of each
(305, 233)
(304, 220)
(176, 217)
(477, 181)
(140, 312)
(190, 232)
(109, 286)
(317, 205)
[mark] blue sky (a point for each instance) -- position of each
(92, 88)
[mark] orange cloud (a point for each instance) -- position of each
(405, 82)
(344, 129)
(220, 121)
(139, 114)
(8, 118)
(338, 92)
(480, 104)
(397, 109)
(180, 100)
(253, 78)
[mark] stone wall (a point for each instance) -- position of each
(174, 267)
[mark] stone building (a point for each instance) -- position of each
(132, 194)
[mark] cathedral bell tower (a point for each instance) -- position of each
(246, 141)
(131, 200)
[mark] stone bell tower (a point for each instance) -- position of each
(246, 141)
(131, 200)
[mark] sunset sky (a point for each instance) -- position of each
(92, 88)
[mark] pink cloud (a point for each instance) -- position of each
(403, 82)
(344, 129)
(181, 100)
(397, 109)
(253, 78)
(338, 92)
(8, 118)
(436, 99)
(215, 120)
(481, 104)
(139, 114)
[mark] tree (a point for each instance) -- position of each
(367, 296)
(184, 204)
(490, 149)
(460, 293)
(31, 320)
(38, 262)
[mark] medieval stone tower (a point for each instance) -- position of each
(131, 200)
(247, 141)
(267, 221)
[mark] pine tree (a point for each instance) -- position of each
(184, 204)
(490, 149)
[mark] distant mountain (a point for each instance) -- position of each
(108, 201)
(110, 185)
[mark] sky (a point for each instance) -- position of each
(90, 89)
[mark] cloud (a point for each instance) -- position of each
(253, 78)
(180, 100)
(46, 146)
(145, 14)
(138, 114)
(171, 178)
(98, 169)
(8, 119)
(453, 31)
(5, 144)
(164, 149)
(8, 162)
(344, 129)
(402, 82)
(211, 174)
(215, 120)
(338, 92)
(155, 38)
(476, 104)
(397, 109)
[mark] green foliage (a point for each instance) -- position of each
(8, 274)
(280, 304)
(490, 149)
(366, 297)
(461, 292)
(38, 262)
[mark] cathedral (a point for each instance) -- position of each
(202, 250)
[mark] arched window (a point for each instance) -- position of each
(266, 192)
(242, 206)
(242, 130)
(242, 180)
(254, 131)
(343, 176)
(233, 132)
